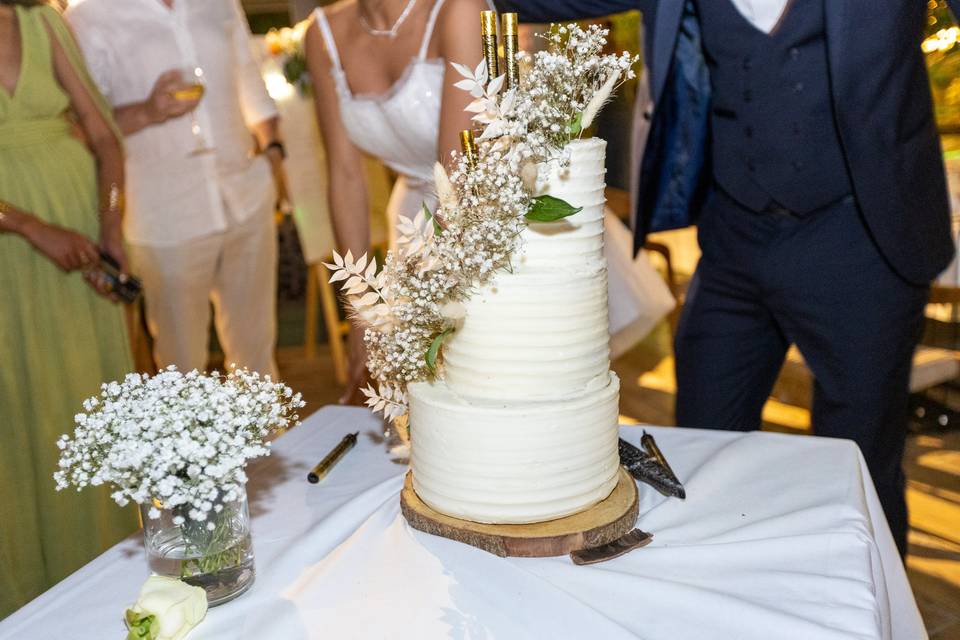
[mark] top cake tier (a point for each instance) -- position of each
(540, 332)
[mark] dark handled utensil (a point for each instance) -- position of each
(651, 467)
(626, 543)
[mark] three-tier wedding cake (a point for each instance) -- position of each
(523, 426)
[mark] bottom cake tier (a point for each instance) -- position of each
(513, 463)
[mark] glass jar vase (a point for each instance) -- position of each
(215, 554)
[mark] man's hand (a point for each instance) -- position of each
(279, 175)
(162, 104)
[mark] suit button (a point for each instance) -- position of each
(794, 53)
(748, 63)
(798, 88)
(797, 165)
(748, 95)
(748, 131)
(796, 129)
(751, 166)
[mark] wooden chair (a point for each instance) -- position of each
(320, 289)
(322, 297)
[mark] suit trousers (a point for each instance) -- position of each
(236, 271)
(769, 280)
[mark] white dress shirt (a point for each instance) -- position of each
(763, 14)
(173, 197)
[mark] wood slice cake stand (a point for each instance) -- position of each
(598, 525)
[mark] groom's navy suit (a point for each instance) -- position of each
(811, 161)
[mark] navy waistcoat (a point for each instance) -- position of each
(775, 140)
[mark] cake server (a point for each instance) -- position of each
(626, 543)
(649, 465)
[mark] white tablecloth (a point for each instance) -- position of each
(780, 537)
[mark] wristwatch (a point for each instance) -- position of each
(276, 144)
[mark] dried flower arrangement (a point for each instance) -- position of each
(411, 305)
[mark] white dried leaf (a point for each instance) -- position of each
(480, 73)
(463, 70)
(339, 275)
(495, 85)
(477, 106)
(368, 299)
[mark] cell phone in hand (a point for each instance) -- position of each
(125, 287)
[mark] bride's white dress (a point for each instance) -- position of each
(401, 127)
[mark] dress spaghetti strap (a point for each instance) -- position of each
(428, 32)
(339, 76)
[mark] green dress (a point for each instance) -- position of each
(58, 340)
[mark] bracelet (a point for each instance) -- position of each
(4, 210)
(114, 200)
(276, 144)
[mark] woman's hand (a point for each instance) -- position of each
(111, 243)
(358, 376)
(67, 249)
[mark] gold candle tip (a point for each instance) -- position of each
(469, 146)
(488, 23)
(509, 23)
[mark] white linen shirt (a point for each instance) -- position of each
(173, 197)
(763, 14)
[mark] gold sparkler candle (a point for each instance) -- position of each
(469, 146)
(511, 43)
(488, 36)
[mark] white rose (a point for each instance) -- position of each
(176, 607)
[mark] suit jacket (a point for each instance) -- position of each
(882, 101)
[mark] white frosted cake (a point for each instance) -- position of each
(523, 426)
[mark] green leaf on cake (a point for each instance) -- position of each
(434, 349)
(550, 209)
(437, 229)
(575, 126)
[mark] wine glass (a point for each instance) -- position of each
(194, 89)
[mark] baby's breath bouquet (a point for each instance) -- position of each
(414, 302)
(177, 444)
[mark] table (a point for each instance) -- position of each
(780, 537)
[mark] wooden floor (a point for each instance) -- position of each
(932, 464)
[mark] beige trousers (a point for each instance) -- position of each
(236, 271)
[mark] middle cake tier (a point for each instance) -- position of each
(532, 336)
